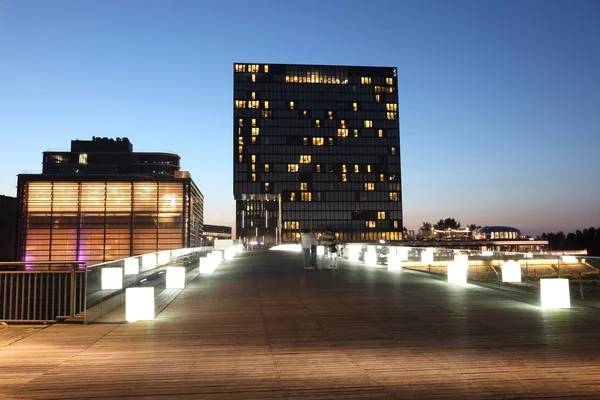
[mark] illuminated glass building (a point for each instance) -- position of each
(316, 147)
(101, 202)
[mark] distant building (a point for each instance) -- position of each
(497, 232)
(8, 227)
(101, 201)
(212, 232)
(316, 147)
(487, 238)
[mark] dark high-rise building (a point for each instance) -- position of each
(316, 147)
(8, 227)
(101, 202)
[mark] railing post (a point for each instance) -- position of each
(72, 302)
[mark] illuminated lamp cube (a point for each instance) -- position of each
(394, 262)
(511, 271)
(139, 304)
(216, 258)
(149, 261)
(402, 253)
(175, 277)
(427, 256)
(217, 255)
(132, 266)
(206, 265)
(555, 293)
(461, 258)
(487, 253)
(353, 253)
(164, 257)
(569, 259)
(457, 272)
(230, 253)
(320, 250)
(371, 256)
(112, 278)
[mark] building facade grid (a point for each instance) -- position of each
(325, 141)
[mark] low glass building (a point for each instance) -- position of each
(102, 217)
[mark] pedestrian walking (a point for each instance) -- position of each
(306, 243)
(313, 249)
(329, 243)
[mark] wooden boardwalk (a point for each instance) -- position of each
(263, 328)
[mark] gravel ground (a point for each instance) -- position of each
(13, 333)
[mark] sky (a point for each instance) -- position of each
(499, 100)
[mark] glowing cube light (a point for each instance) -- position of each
(112, 278)
(176, 253)
(164, 257)
(223, 244)
(569, 259)
(511, 271)
(555, 293)
(402, 253)
(487, 253)
(132, 266)
(216, 257)
(175, 277)
(320, 250)
(353, 253)
(230, 253)
(371, 256)
(139, 304)
(149, 261)
(461, 258)
(394, 262)
(207, 265)
(457, 272)
(427, 256)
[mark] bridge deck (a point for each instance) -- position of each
(264, 328)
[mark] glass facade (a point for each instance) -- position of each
(104, 220)
(316, 147)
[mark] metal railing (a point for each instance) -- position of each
(41, 291)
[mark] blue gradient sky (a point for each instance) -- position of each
(499, 100)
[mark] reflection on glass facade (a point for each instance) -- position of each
(316, 147)
(99, 221)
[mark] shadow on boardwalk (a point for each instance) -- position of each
(262, 327)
